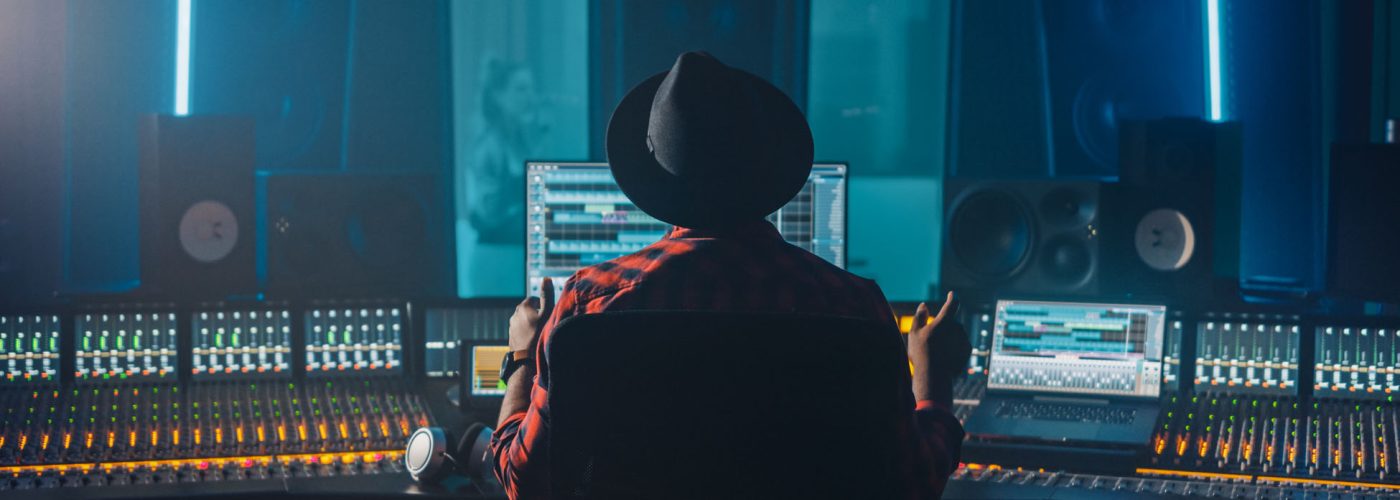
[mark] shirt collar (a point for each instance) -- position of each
(759, 229)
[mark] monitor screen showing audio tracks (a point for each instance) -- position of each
(1083, 348)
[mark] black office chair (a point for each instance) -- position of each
(670, 404)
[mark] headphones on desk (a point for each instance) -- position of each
(434, 454)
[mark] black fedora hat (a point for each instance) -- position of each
(708, 146)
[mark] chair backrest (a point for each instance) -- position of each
(689, 404)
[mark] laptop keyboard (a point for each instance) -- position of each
(1066, 412)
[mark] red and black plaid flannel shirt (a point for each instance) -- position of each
(752, 269)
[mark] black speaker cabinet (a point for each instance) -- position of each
(1027, 238)
(1364, 214)
(197, 209)
(1171, 224)
(347, 234)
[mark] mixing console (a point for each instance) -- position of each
(982, 481)
(29, 348)
(354, 339)
(117, 395)
(202, 432)
(1248, 353)
(1243, 427)
(125, 345)
(1356, 361)
(233, 344)
(143, 396)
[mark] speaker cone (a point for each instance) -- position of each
(1066, 261)
(992, 234)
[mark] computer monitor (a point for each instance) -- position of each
(577, 216)
(484, 375)
(1078, 348)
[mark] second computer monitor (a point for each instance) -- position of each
(577, 216)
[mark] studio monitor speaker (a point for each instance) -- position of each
(197, 209)
(1362, 219)
(335, 234)
(1171, 223)
(1029, 238)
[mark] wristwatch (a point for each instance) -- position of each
(513, 361)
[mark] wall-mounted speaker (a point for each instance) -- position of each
(197, 209)
(1029, 238)
(1171, 224)
(337, 234)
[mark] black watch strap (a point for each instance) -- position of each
(512, 362)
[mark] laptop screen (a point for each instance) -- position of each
(1077, 348)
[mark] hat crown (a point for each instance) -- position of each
(705, 119)
(708, 146)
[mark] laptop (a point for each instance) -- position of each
(1073, 372)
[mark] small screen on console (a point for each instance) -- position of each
(1084, 348)
(486, 370)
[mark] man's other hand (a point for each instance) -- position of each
(938, 349)
(529, 318)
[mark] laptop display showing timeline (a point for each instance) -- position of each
(577, 216)
(1090, 349)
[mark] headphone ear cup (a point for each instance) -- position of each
(473, 453)
(463, 449)
(427, 455)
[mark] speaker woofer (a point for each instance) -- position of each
(992, 234)
(1066, 261)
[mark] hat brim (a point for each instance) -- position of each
(668, 198)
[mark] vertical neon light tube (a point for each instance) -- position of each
(182, 59)
(1217, 98)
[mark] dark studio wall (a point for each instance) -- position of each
(32, 47)
(352, 87)
(1040, 87)
(120, 65)
(631, 40)
(334, 86)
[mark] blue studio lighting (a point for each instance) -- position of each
(1217, 98)
(182, 59)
